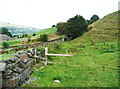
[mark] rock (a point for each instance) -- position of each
(18, 70)
(1, 80)
(24, 60)
(11, 59)
(21, 65)
(57, 81)
(22, 79)
(24, 56)
(16, 55)
(27, 72)
(17, 59)
(49, 63)
(15, 74)
(29, 63)
(7, 72)
(11, 66)
(2, 66)
(29, 55)
(30, 80)
(12, 82)
(21, 52)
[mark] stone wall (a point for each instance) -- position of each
(15, 71)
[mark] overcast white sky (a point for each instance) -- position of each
(45, 13)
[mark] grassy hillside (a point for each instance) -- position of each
(95, 60)
(105, 29)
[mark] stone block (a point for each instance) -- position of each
(24, 56)
(21, 65)
(27, 72)
(12, 82)
(17, 69)
(1, 80)
(11, 66)
(22, 79)
(2, 66)
(29, 63)
(7, 72)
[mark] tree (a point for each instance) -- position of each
(61, 28)
(75, 26)
(5, 31)
(53, 25)
(34, 34)
(5, 45)
(93, 19)
(43, 38)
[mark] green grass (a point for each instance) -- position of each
(92, 65)
(47, 31)
(12, 42)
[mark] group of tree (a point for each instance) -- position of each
(75, 26)
(93, 19)
(5, 31)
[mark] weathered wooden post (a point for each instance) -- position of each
(46, 52)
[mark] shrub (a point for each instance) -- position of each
(43, 38)
(34, 34)
(5, 45)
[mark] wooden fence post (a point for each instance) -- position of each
(46, 52)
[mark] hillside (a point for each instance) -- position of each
(17, 29)
(95, 60)
(105, 29)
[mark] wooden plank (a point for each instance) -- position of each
(59, 55)
(47, 54)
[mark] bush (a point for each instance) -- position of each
(43, 38)
(34, 34)
(5, 45)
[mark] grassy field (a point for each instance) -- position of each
(93, 65)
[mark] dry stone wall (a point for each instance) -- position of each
(15, 71)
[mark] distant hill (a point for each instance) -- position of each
(17, 29)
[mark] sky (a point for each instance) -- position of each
(45, 13)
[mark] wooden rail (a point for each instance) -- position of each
(47, 54)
